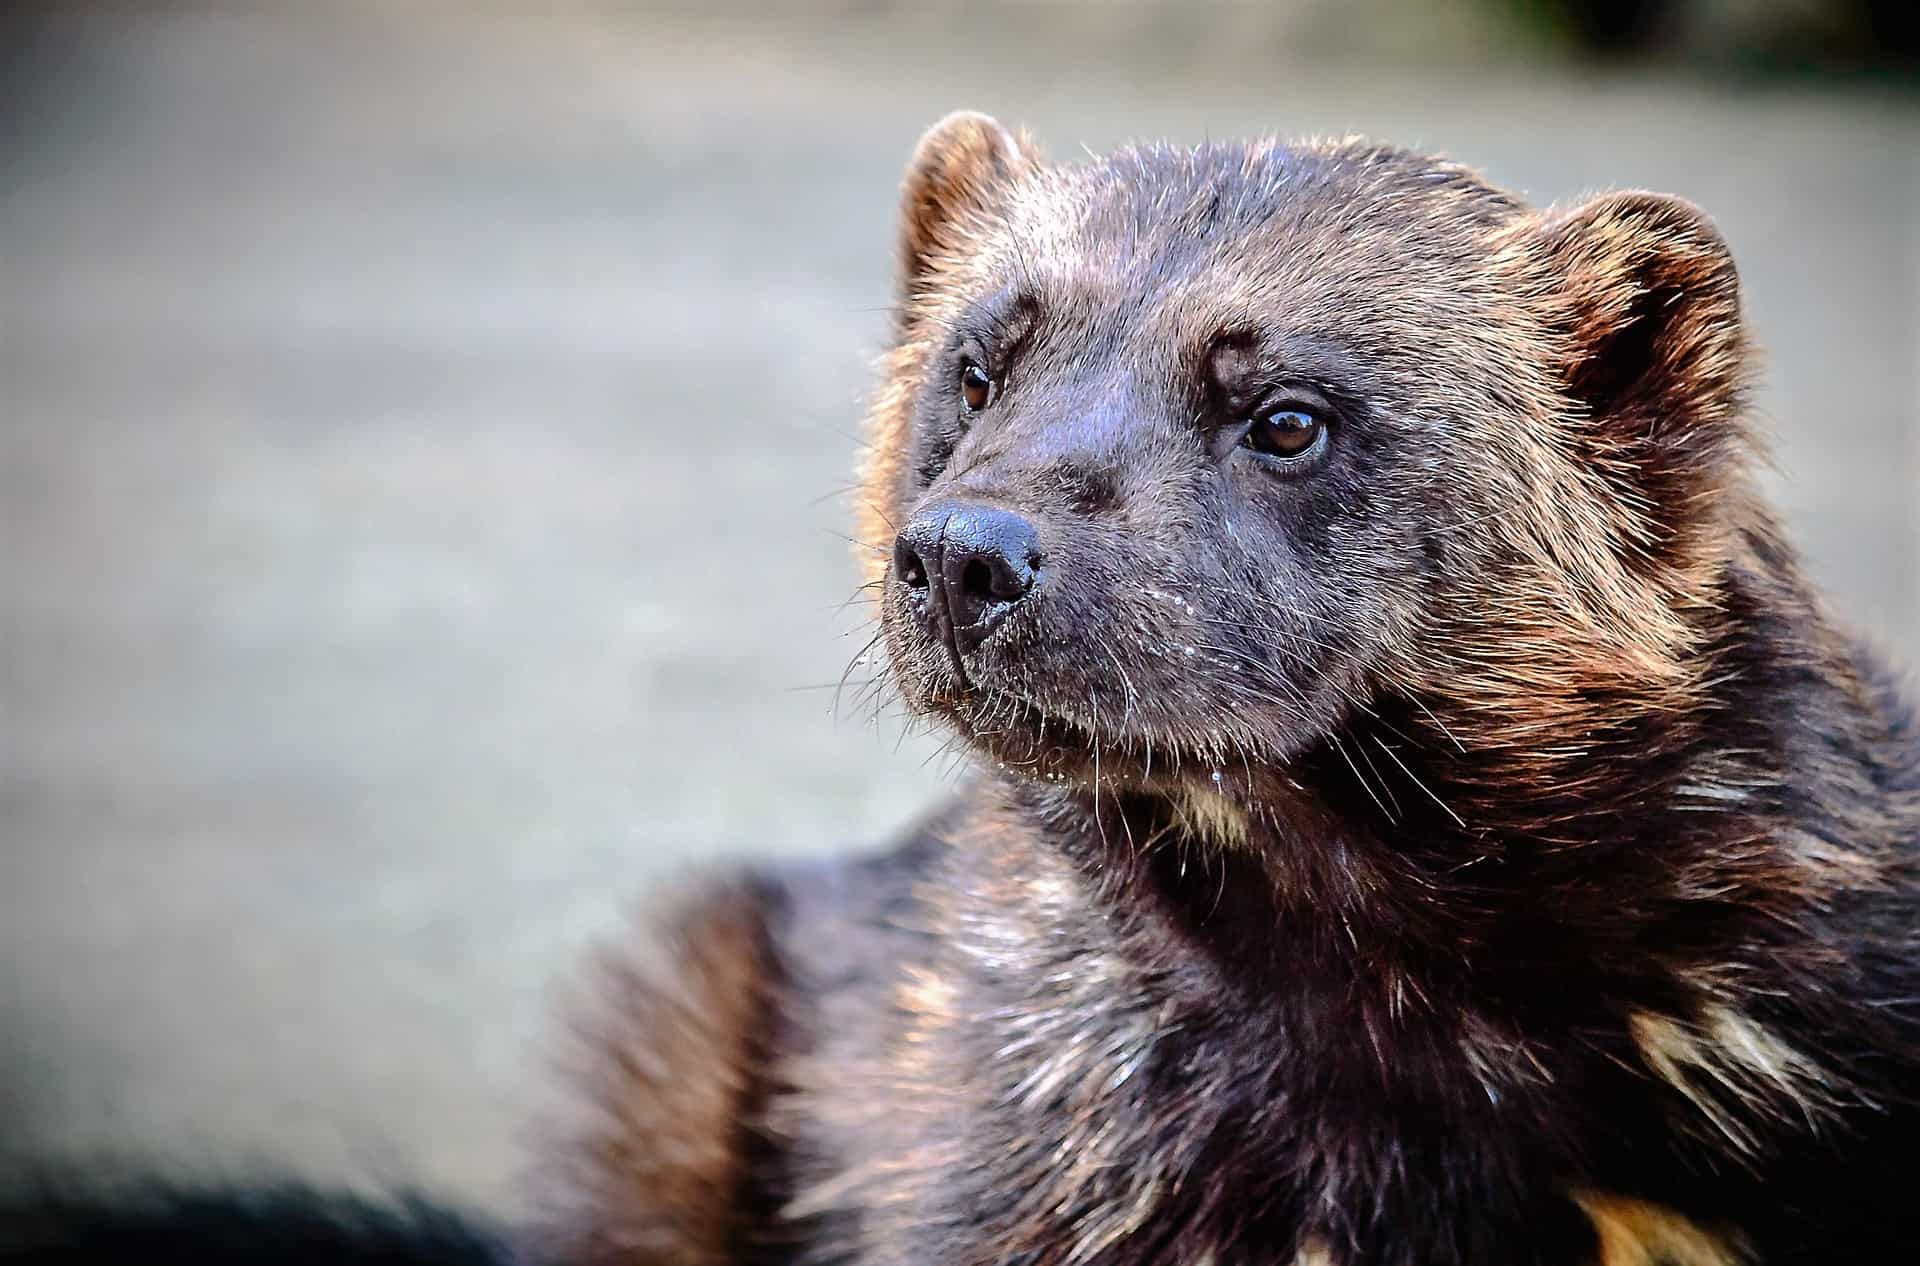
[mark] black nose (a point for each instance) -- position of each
(974, 562)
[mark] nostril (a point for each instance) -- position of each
(908, 567)
(977, 580)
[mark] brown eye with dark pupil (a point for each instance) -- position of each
(1284, 433)
(976, 388)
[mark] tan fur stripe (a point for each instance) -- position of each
(1637, 1233)
(1314, 1252)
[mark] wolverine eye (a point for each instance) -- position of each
(1290, 432)
(976, 387)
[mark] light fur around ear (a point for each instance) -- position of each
(955, 184)
(1639, 494)
(1647, 299)
(957, 176)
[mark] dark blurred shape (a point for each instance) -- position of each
(1614, 26)
(1824, 35)
(287, 1225)
(1894, 28)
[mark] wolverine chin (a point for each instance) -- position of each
(1059, 744)
(1207, 803)
(1011, 730)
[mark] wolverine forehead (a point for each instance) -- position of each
(1181, 206)
(1225, 241)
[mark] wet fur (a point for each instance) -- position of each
(1486, 852)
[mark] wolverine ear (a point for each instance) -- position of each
(1647, 298)
(959, 172)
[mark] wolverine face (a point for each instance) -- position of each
(1184, 451)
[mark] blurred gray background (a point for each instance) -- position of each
(421, 429)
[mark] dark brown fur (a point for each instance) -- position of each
(675, 1052)
(1479, 849)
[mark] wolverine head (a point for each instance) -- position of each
(1186, 458)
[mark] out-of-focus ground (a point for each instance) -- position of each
(419, 432)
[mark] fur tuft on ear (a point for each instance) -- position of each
(958, 173)
(1645, 293)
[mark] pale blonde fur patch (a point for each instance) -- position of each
(1207, 815)
(1313, 1252)
(1725, 1060)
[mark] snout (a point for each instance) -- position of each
(966, 566)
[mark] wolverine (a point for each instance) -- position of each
(1422, 814)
